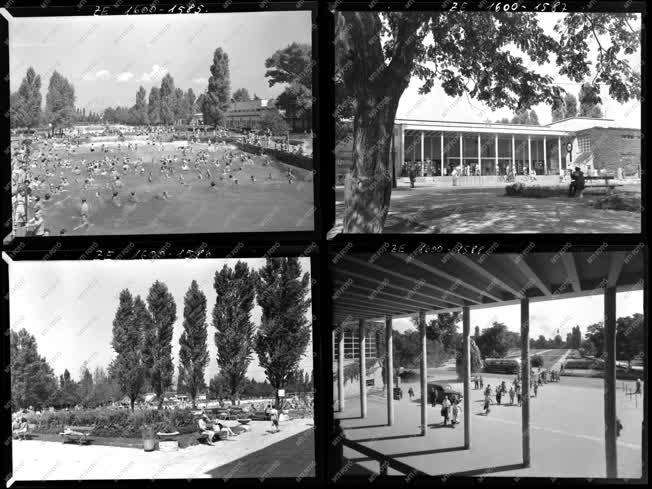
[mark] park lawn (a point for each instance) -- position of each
(266, 205)
(489, 210)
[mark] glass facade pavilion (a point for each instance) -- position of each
(436, 148)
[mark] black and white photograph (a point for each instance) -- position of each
(488, 122)
(161, 124)
(489, 364)
(161, 369)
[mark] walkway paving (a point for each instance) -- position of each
(488, 210)
(35, 460)
(567, 434)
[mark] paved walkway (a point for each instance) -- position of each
(567, 430)
(44, 460)
(488, 210)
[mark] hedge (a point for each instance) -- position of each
(586, 363)
(537, 191)
(620, 202)
(116, 423)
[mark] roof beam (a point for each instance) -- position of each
(465, 260)
(532, 276)
(403, 298)
(373, 266)
(352, 304)
(455, 280)
(571, 270)
(377, 300)
(373, 280)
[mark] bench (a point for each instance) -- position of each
(79, 434)
(598, 178)
(25, 433)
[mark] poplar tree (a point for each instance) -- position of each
(164, 313)
(285, 331)
(193, 354)
(235, 331)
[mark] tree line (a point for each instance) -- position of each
(168, 104)
(142, 339)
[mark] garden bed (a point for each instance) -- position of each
(621, 201)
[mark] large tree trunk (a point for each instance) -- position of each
(376, 87)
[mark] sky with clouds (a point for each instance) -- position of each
(108, 57)
(69, 306)
(547, 317)
(436, 105)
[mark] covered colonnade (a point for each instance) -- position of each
(382, 288)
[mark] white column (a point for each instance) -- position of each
(423, 374)
(479, 155)
(461, 151)
(545, 156)
(423, 153)
(389, 347)
(561, 172)
(513, 154)
(529, 153)
(363, 368)
(441, 153)
(496, 153)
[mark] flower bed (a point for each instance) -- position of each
(116, 423)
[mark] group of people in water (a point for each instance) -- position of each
(51, 167)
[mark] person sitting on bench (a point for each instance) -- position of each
(21, 429)
(577, 183)
(204, 428)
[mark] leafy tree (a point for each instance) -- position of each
(241, 95)
(154, 106)
(495, 341)
(273, 121)
(105, 388)
(595, 334)
(60, 102)
(284, 333)
(234, 335)
(589, 99)
(25, 104)
(558, 341)
(85, 385)
(140, 112)
(147, 343)
(292, 64)
(168, 100)
(218, 387)
(193, 354)
(127, 367)
(190, 102)
(33, 382)
(630, 339)
(536, 361)
(541, 342)
(163, 310)
(377, 53)
(588, 349)
(570, 105)
(68, 394)
(216, 100)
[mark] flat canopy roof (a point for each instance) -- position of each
(371, 286)
(479, 127)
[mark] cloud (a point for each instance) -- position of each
(98, 75)
(156, 73)
(124, 76)
(200, 80)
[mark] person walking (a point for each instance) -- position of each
(481, 383)
(638, 386)
(499, 394)
(536, 389)
(512, 392)
(519, 399)
(476, 382)
(456, 411)
(445, 409)
(411, 393)
(487, 400)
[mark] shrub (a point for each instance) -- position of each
(620, 202)
(520, 189)
(587, 363)
(116, 423)
(536, 361)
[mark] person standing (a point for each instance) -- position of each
(519, 399)
(512, 392)
(274, 417)
(411, 393)
(638, 386)
(445, 409)
(481, 383)
(487, 400)
(536, 389)
(476, 383)
(499, 394)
